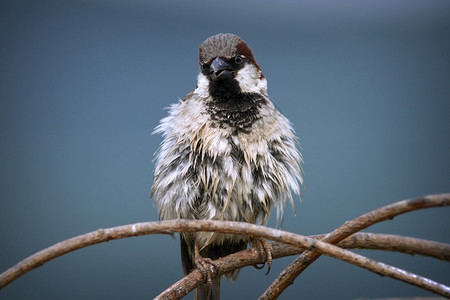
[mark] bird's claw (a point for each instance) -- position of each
(264, 249)
(206, 267)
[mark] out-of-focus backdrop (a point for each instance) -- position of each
(83, 83)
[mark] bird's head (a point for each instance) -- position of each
(227, 61)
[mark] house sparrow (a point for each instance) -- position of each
(227, 154)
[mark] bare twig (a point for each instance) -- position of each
(288, 275)
(324, 248)
(358, 240)
(240, 228)
(168, 227)
(375, 241)
(231, 262)
(389, 242)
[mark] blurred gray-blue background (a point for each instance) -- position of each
(83, 83)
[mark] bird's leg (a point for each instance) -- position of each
(205, 265)
(264, 249)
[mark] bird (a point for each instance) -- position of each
(227, 154)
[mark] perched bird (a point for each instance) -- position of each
(227, 154)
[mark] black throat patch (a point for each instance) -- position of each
(230, 107)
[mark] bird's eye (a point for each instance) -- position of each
(205, 68)
(239, 59)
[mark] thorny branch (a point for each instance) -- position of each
(359, 240)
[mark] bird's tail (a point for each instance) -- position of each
(206, 292)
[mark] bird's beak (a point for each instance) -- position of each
(220, 69)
